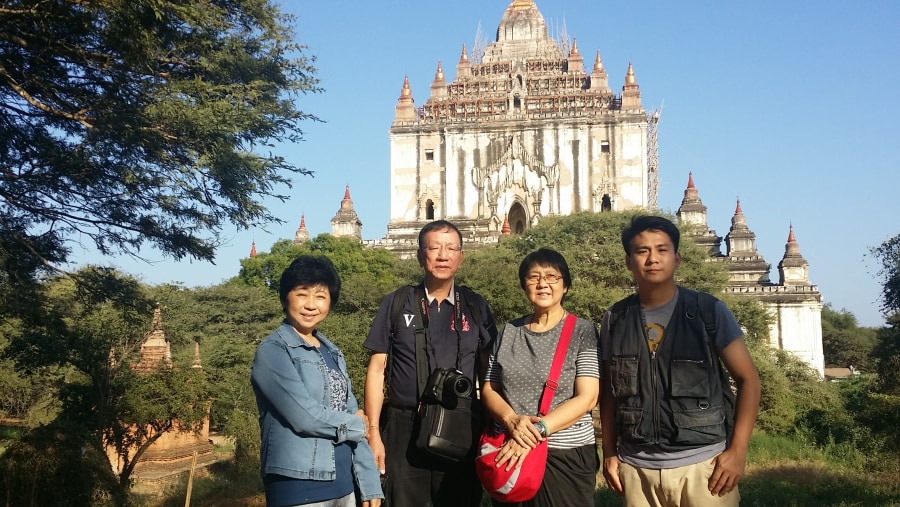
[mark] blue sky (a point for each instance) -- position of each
(789, 106)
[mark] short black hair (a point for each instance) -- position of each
(643, 223)
(308, 271)
(438, 225)
(545, 257)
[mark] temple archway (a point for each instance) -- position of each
(518, 219)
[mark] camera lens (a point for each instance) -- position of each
(462, 386)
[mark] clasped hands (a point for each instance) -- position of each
(523, 437)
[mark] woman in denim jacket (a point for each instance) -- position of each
(314, 451)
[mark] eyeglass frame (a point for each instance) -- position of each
(546, 277)
(453, 249)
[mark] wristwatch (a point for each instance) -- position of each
(541, 426)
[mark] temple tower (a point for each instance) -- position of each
(346, 222)
(302, 235)
(692, 217)
(745, 265)
(523, 134)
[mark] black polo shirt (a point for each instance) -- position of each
(442, 340)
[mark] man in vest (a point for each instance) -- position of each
(673, 434)
(460, 328)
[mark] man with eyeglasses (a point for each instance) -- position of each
(460, 334)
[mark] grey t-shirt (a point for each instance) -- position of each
(520, 364)
(655, 322)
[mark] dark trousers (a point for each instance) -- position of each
(414, 477)
(569, 480)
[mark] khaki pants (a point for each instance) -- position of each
(685, 486)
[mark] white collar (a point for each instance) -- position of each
(451, 297)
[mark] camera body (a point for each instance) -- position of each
(445, 386)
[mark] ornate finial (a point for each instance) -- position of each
(347, 192)
(464, 57)
(629, 76)
(737, 210)
(690, 179)
(574, 51)
(253, 249)
(598, 64)
(439, 75)
(302, 221)
(406, 92)
(791, 238)
(505, 229)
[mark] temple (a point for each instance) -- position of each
(522, 131)
(172, 454)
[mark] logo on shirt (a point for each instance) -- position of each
(465, 324)
(408, 317)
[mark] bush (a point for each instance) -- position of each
(58, 465)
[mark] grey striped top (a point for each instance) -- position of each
(520, 363)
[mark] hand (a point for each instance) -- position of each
(512, 454)
(521, 429)
(375, 502)
(611, 474)
(377, 450)
(365, 419)
(729, 468)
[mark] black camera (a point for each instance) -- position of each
(445, 386)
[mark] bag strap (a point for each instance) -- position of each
(421, 341)
(556, 367)
(398, 300)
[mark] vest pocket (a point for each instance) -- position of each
(701, 426)
(630, 423)
(624, 376)
(690, 379)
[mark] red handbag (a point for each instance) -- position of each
(523, 482)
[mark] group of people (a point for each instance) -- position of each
(673, 432)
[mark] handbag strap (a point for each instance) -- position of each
(556, 367)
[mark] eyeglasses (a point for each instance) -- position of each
(437, 248)
(550, 278)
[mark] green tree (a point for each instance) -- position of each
(844, 343)
(888, 254)
(94, 340)
(887, 353)
(141, 122)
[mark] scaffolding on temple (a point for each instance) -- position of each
(653, 118)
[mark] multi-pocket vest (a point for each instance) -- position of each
(672, 397)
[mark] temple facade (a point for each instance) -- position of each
(522, 131)
(794, 303)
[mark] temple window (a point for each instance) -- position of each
(604, 146)
(429, 155)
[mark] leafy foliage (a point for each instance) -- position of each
(888, 253)
(94, 337)
(887, 353)
(58, 465)
(136, 122)
(844, 342)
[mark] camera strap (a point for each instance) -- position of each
(423, 340)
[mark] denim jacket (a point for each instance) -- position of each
(298, 431)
